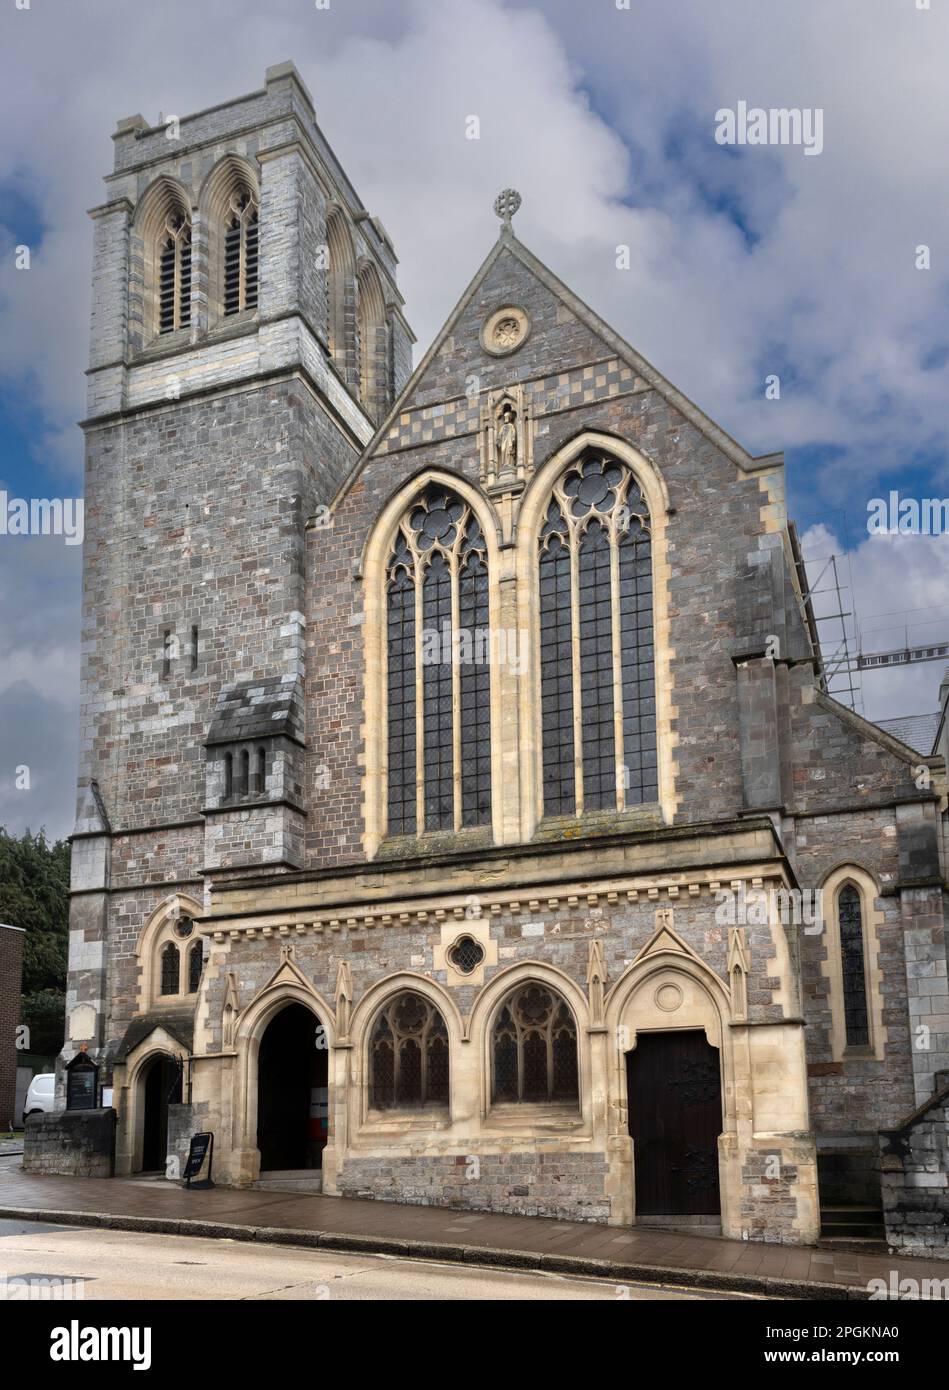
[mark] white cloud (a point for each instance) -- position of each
(604, 119)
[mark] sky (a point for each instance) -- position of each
(745, 262)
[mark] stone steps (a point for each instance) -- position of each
(692, 1225)
(306, 1182)
(852, 1224)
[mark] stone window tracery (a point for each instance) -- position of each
(241, 253)
(598, 705)
(179, 967)
(408, 1054)
(466, 955)
(534, 1047)
(174, 274)
(438, 669)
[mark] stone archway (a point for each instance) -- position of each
(287, 987)
(160, 1085)
(669, 991)
(292, 1091)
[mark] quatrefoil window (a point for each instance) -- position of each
(466, 955)
(593, 486)
(435, 521)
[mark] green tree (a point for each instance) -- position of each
(34, 893)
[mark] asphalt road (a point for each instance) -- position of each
(126, 1265)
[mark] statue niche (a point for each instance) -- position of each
(505, 439)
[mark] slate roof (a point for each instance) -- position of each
(258, 709)
(915, 730)
(179, 1025)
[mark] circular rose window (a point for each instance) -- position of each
(505, 330)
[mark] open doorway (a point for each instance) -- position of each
(161, 1087)
(292, 1080)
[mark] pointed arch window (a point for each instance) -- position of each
(241, 253)
(174, 274)
(170, 966)
(853, 966)
(534, 1047)
(598, 699)
(195, 964)
(373, 337)
(438, 670)
(408, 1054)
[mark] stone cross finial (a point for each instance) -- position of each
(506, 205)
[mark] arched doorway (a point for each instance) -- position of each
(292, 1080)
(161, 1087)
(675, 1119)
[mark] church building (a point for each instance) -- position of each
(462, 816)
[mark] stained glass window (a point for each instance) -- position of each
(438, 683)
(534, 1046)
(850, 920)
(195, 962)
(170, 966)
(598, 705)
(408, 1054)
(556, 666)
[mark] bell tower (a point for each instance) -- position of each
(247, 339)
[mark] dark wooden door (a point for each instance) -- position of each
(675, 1118)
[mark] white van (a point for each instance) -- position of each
(39, 1096)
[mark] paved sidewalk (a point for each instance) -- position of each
(334, 1223)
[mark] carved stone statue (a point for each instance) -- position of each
(507, 441)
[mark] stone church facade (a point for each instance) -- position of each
(456, 769)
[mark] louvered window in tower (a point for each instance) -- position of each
(598, 704)
(174, 275)
(241, 246)
(438, 677)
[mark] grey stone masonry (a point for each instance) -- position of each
(529, 1184)
(915, 1178)
(207, 449)
(71, 1143)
